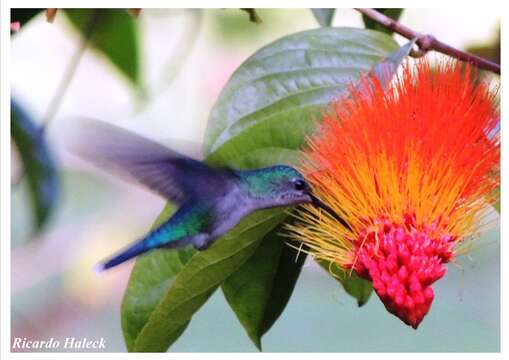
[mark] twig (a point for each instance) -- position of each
(429, 42)
(135, 13)
(253, 15)
(50, 15)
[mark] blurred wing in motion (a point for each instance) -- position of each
(168, 173)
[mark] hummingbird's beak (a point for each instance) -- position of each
(318, 203)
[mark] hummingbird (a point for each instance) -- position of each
(210, 201)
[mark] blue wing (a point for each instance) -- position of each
(170, 174)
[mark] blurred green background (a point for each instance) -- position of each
(186, 57)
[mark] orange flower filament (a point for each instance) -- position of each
(411, 169)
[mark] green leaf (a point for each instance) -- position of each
(275, 98)
(39, 166)
(354, 285)
(150, 278)
(393, 13)
(357, 287)
(324, 16)
(200, 277)
(115, 34)
(259, 291)
(387, 67)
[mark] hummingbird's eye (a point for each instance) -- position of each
(299, 184)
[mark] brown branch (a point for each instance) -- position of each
(429, 42)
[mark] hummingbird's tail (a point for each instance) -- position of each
(173, 233)
(161, 237)
(132, 251)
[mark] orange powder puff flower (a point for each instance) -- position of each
(411, 170)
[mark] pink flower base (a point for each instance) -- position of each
(403, 262)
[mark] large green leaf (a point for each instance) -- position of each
(393, 13)
(39, 166)
(324, 16)
(200, 277)
(114, 33)
(276, 96)
(259, 291)
(150, 278)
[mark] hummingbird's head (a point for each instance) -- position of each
(291, 187)
(276, 186)
(282, 186)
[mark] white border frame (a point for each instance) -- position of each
(5, 163)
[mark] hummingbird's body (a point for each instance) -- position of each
(211, 201)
